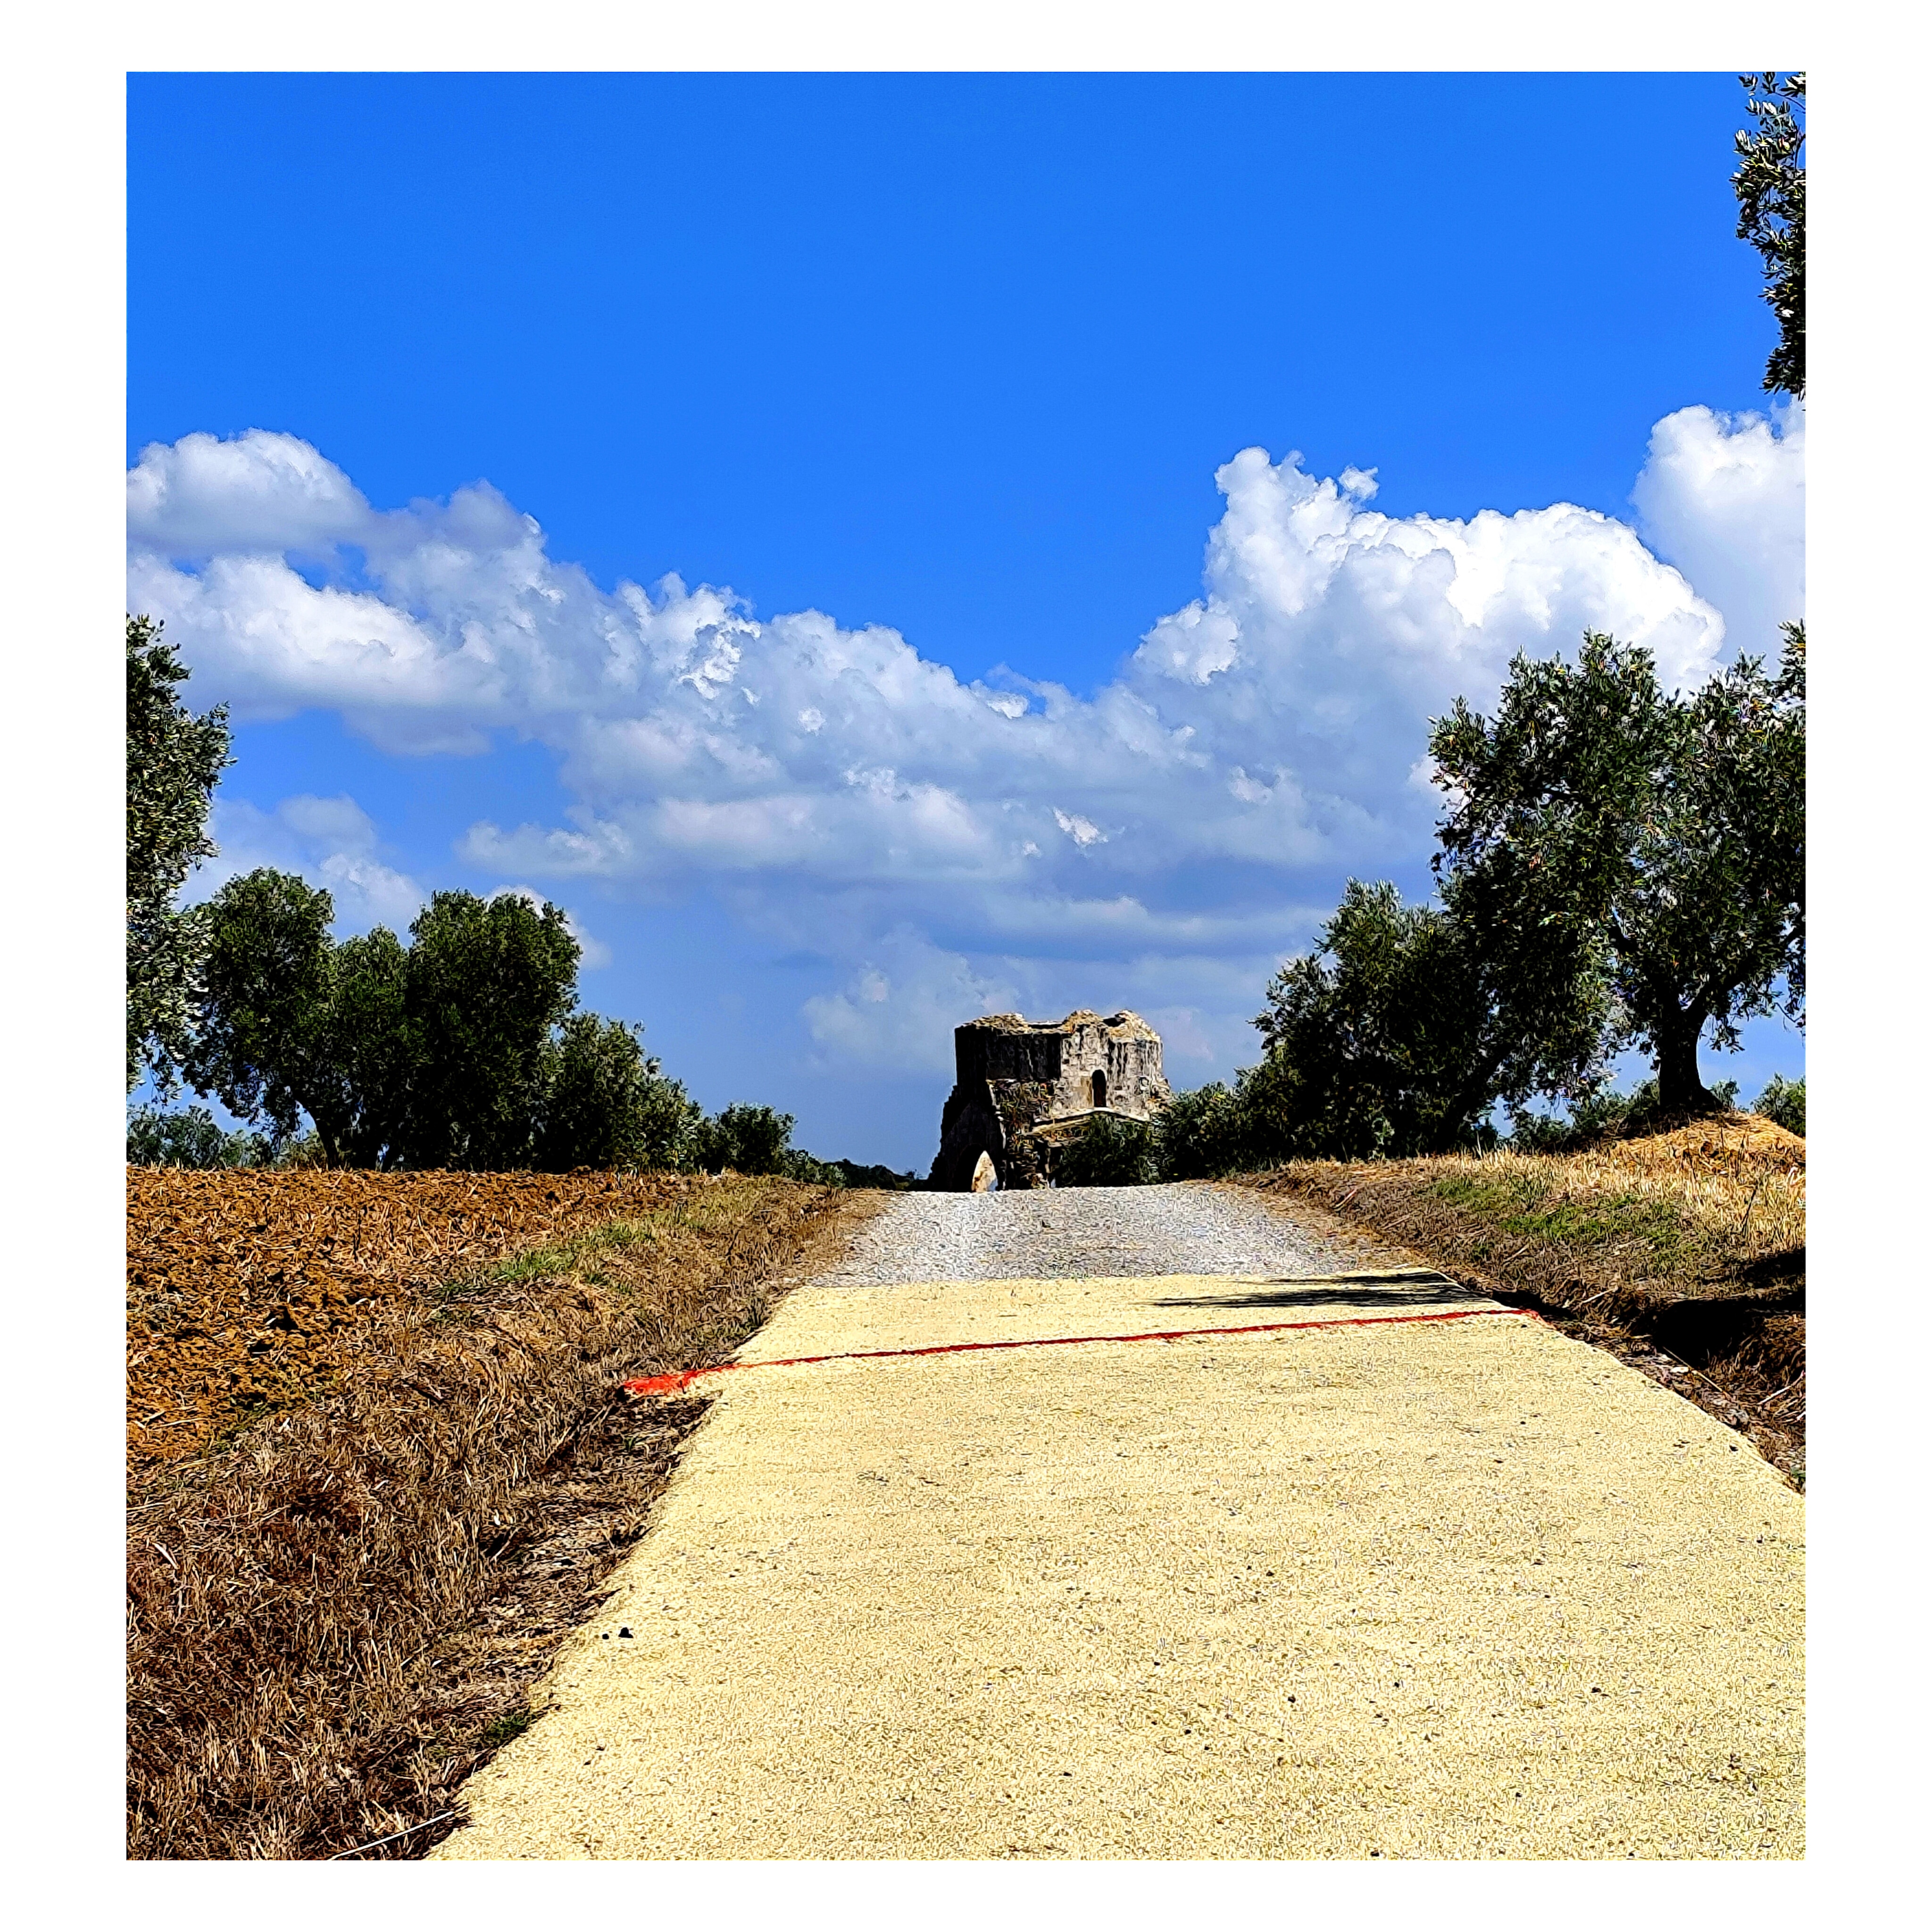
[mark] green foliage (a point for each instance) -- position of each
(1109, 1151)
(191, 1139)
(1398, 1034)
(457, 1050)
(1770, 186)
(1202, 1133)
(746, 1139)
(511, 1724)
(812, 1171)
(852, 1174)
(262, 1046)
(486, 980)
(174, 760)
(1783, 1101)
(1652, 841)
(1545, 1133)
(369, 1050)
(1021, 1104)
(753, 1140)
(1601, 1115)
(606, 1106)
(305, 1150)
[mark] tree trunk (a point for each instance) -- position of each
(1473, 1102)
(1679, 1089)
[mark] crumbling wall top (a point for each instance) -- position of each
(1124, 1024)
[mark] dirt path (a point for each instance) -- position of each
(1397, 1588)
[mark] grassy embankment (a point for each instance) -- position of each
(1683, 1252)
(379, 1465)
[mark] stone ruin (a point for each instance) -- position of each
(1021, 1084)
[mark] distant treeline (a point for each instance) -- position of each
(1216, 1130)
(461, 1047)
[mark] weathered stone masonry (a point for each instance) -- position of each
(1013, 1075)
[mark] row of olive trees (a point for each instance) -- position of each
(459, 1048)
(462, 1046)
(1620, 867)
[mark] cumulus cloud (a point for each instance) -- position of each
(923, 827)
(1722, 498)
(257, 491)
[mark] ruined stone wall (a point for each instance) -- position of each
(1013, 1074)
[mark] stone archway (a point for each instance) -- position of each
(1099, 1085)
(986, 1175)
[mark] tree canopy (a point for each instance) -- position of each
(1396, 1034)
(174, 760)
(486, 980)
(459, 1049)
(262, 1043)
(1401, 1031)
(606, 1105)
(1770, 186)
(1602, 818)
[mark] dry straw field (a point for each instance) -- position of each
(379, 1463)
(1682, 1252)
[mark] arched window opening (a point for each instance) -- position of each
(1099, 1089)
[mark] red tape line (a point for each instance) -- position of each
(683, 1378)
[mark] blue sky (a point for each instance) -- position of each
(1105, 710)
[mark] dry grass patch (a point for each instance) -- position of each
(1684, 1252)
(335, 1612)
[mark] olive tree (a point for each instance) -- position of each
(1400, 1031)
(263, 1045)
(1597, 816)
(174, 760)
(488, 980)
(607, 1105)
(438, 1053)
(1770, 187)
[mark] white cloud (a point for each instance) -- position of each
(259, 491)
(332, 842)
(897, 1010)
(1722, 497)
(1257, 745)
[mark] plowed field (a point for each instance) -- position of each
(246, 1291)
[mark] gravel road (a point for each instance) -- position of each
(1185, 1227)
(1148, 1524)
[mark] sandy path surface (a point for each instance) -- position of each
(1441, 1589)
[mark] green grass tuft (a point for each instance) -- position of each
(1521, 1205)
(511, 1724)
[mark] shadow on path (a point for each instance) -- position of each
(1409, 1288)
